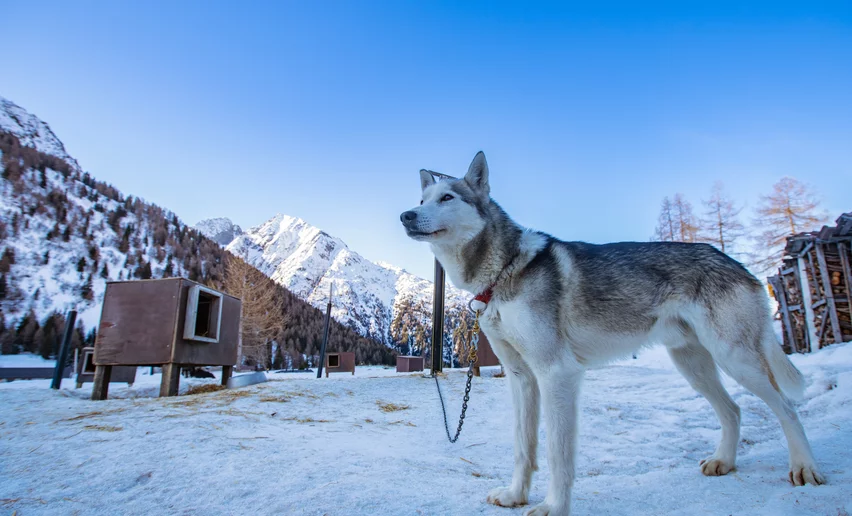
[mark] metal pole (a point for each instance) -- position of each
(63, 349)
(325, 332)
(438, 320)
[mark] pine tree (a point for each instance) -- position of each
(25, 337)
(7, 260)
(720, 225)
(144, 271)
(791, 208)
(86, 291)
(46, 338)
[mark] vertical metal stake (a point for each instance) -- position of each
(63, 350)
(325, 332)
(438, 320)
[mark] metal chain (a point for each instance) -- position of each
(471, 356)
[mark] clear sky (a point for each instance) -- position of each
(327, 110)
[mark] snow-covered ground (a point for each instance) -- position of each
(298, 445)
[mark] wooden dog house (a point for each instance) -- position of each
(408, 364)
(342, 362)
(168, 322)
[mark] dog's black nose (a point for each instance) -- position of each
(408, 216)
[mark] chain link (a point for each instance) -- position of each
(471, 356)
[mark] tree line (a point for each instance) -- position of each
(792, 207)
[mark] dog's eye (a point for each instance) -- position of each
(421, 203)
(447, 197)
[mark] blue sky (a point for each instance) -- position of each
(588, 115)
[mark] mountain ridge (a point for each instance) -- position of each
(369, 296)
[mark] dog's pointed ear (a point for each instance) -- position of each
(426, 179)
(477, 174)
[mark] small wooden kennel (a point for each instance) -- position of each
(342, 362)
(86, 370)
(168, 322)
(484, 354)
(407, 364)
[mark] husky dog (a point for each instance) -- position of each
(554, 308)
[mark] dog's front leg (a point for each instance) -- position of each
(560, 392)
(525, 401)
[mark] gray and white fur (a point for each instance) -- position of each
(561, 307)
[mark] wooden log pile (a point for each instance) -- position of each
(813, 288)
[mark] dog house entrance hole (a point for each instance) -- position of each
(333, 360)
(88, 363)
(203, 314)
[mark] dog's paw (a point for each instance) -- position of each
(805, 474)
(713, 467)
(506, 497)
(546, 509)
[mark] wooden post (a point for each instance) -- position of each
(847, 276)
(325, 334)
(438, 319)
(171, 380)
(100, 390)
(829, 295)
(812, 341)
(777, 283)
(59, 370)
(226, 373)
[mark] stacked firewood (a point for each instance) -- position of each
(821, 260)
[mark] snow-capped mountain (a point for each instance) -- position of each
(32, 132)
(369, 297)
(220, 230)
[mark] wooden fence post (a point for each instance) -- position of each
(828, 295)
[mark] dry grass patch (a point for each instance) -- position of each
(304, 394)
(275, 399)
(307, 420)
(385, 406)
(95, 413)
(203, 388)
(102, 428)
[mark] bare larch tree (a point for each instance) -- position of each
(792, 207)
(263, 317)
(720, 225)
(676, 222)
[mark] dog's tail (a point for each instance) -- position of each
(787, 376)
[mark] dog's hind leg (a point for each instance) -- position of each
(525, 402)
(698, 367)
(755, 374)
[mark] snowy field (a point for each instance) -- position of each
(298, 445)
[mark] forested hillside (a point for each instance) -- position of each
(63, 235)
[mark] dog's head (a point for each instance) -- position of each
(452, 211)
